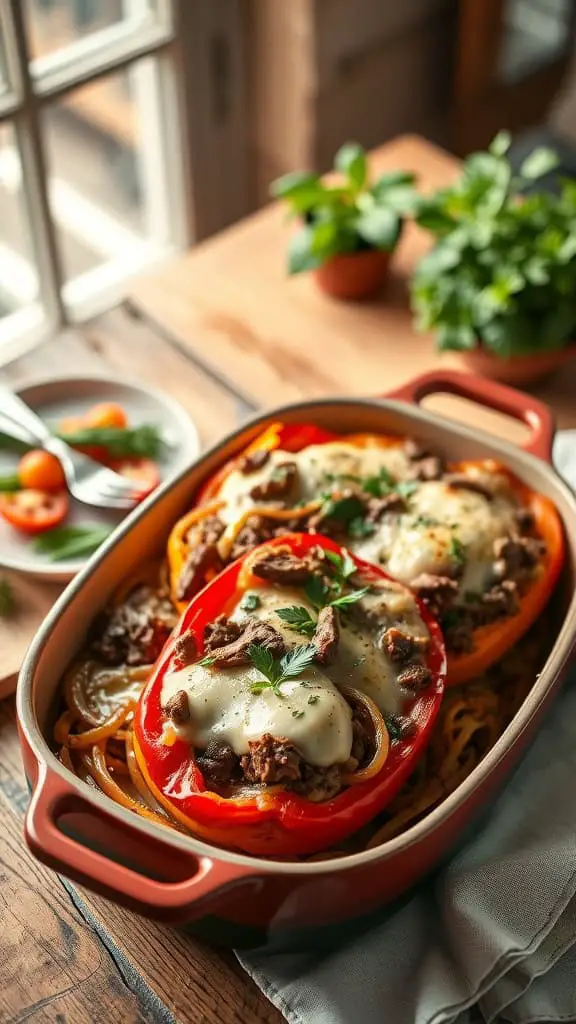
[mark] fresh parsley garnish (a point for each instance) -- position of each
(313, 698)
(121, 442)
(358, 528)
(406, 488)
(298, 714)
(7, 600)
(65, 542)
(344, 566)
(380, 485)
(299, 618)
(351, 598)
(278, 670)
(317, 592)
(457, 551)
(342, 509)
(250, 603)
(425, 521)
(207, 661)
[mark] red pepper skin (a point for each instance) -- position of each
(278, 823)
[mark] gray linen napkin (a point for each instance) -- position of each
(491, 937)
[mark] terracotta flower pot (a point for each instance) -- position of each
(355, 275)
(516, 370)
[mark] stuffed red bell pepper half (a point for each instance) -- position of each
(292, 701)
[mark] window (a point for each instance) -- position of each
(91, 157)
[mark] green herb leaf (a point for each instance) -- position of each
(7, 599)
(296, 661)
(351, 598)
(500, 143)
(539, 163)
(390, 181)
(121, 442)
(406, 488)
(298, 714)
(301, 255)
(351, 161)
(343, 564)
(207, 661)
(10, 483)
(295, 184)
(299, 618)
(67, 542)
(380, 485)
(250, 603)
(316, 591)
(263, 660)
(380, 227)
(359, 528)
(457, 551)
(342, 509)
(313, 698)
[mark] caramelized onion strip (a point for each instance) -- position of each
(381, 738)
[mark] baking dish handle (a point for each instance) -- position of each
(174, 902)
(516, 404)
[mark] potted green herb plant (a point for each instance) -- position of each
(499, 285)
(350, 227)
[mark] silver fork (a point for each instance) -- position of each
(89, 482)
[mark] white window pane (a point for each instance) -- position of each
(106, 183)
(18, 277)
(55, 25)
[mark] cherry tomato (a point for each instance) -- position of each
(143, 471)
(34, 511)
(106, 414)
(41, 471)
(71, 425)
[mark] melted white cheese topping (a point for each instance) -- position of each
(312, 713)
(426, 538)
(317, 466)
(441, 522)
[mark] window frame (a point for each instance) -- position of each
(191, 201)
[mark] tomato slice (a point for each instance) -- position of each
(34, 511)
(144, 471)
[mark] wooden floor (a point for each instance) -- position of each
(66, 956)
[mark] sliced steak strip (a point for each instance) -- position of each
(236, 652)
(516, 557)
(200, 561)
(429, 468)
(271, 761)
(256, 530)
(278, 484)
(401, 647)
(220, 633)
(178, 708)
(253, 461)
(415, 677)
(219, 763)
(326, 636)
(462, 482)
(281, 566)
(134, 632)
(185, 649)
(438, 592)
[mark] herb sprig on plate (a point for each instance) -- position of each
(65, 542)
(144, 441)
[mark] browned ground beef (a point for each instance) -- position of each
(135, 631)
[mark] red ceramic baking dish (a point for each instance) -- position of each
(233, 898)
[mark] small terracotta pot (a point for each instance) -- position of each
(516, 370)
(355, 275)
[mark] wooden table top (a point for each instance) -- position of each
(224, 332)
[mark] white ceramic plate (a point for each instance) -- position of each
(61, 397)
